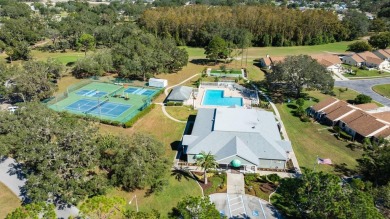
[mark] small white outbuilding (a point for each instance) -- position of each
(156, 82)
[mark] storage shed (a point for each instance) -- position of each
(156, 82)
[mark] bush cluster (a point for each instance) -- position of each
(109, 122)
(171, 103)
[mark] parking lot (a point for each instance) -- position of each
(243, 206)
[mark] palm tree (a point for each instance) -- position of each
(206, 161)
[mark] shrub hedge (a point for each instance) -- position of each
(171, 103)
(109, 122)
(132, 121)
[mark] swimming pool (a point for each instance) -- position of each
(216, 98)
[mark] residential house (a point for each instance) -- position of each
(360, 121)
(268, 61)
(383, 54)
(360, 125)
(373, 61)
(244, 139)
(331, 62)
(354, 60)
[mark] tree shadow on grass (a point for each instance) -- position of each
(343, 169)
(182, 173)
(207, 62)
(292, 106)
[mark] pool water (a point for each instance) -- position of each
(216, 98)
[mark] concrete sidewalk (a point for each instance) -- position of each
(340, 77)
(235, 183)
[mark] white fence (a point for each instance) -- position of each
(252, 94)
(225, 74)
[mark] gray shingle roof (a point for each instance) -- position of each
(248, 133)
(180, 93)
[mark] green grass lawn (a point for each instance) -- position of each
(194, 52)
(180, 112)
(383, 89)
(64, 58)
(228, 71)
(310, 140)
(257, 52)
(364, 73)
(164, 201)
(8, 201)
(347, 95)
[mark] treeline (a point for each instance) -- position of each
(269, 26)
(171, 3)
(127, 50)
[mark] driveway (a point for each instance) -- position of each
(365, 87)
(15, 182)
(243, 206)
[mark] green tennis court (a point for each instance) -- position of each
(106, 101)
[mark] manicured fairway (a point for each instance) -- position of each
(257, 52)
(64, 58)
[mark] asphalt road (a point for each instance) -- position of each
(15, 182)
(365, 87)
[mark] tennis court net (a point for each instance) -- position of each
(115, 91)
(99, 104)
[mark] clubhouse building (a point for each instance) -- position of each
(241, 139)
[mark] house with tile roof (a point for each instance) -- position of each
(268, 61)
(383, 54)
(360, 121)
(354, 60)
(368, 59)
(371, 60)
(248, 137)
(331, 62)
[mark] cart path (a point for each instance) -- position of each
(166, 94)
(168, 88)
(167, 114)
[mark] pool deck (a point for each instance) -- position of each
(228, 92)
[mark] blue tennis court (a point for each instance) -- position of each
(140, 91)
(91, 93)
(131, 90)
(96, 107)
